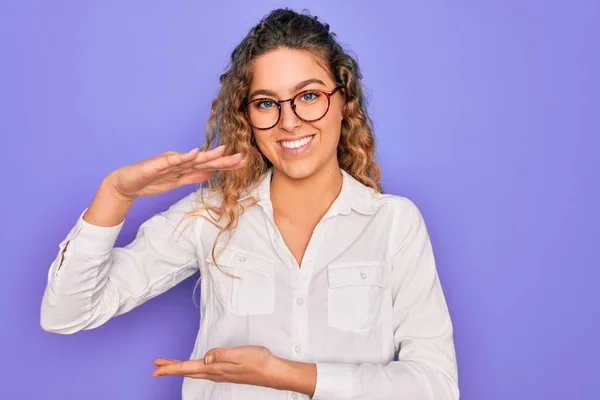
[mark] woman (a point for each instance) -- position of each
(313, 282)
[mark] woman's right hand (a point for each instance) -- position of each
(169, 170)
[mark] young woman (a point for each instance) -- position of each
(313, 282)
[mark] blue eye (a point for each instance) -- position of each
(309, 96)
(266, 104)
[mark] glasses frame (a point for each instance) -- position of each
(244, 107)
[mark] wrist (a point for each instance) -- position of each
(296, 376)
(108, 186)
(108, 207)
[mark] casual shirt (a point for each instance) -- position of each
(365, 305)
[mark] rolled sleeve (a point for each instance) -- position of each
(93, 239)
(334, 382)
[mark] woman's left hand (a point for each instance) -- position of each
(252, 365)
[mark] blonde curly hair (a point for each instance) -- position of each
(226, 125)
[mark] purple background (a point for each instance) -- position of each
(486, 115)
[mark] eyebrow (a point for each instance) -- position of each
(300, 85)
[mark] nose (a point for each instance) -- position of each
(289, 120)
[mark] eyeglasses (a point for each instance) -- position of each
(309, 105)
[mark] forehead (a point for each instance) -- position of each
(280, 70)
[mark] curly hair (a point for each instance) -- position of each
(226, 125)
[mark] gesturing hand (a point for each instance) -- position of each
(251, 365)
(169, 170)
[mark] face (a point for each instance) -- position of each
(296, 148)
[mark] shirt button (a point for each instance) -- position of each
(294, 396)
(363, 275)
(242, 259)
(297, 349)
(299, 301)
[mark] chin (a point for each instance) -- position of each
(297, 170)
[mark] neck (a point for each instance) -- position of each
(299, 197)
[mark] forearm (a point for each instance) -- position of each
(107, 208)
(91, 280)
(76, 276)
(296, 376)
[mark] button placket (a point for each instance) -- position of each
(298, 318)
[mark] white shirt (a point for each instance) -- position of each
(365, 305)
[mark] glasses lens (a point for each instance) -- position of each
(311, 106)
(263, 113)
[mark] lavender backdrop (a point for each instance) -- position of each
(486, 115)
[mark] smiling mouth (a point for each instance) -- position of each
(296, 144)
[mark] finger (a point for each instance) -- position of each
(203, 376)
(194, 177)
(220, 163)
(200, 158)
(173, 159)
(233, 355)
(215, 377)
(190, 167)
(181, 368)
(206, 156)
(213, 355)
(218, 372)
(159, 362)
(218, 377)
(218, 355)
(164, 161)
(231, 168)
(184, 166)
(170, 160)
(197, 169)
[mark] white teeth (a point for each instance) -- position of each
(296, 143)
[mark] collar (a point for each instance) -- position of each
(353, 196)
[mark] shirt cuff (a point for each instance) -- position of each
(94, 240)
(334, 381)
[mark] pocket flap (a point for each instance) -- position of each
(356, 273)
(242, 260)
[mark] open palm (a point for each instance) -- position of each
(169, 170)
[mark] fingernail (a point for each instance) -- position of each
(209, 359)
(221, 147)
(237, 155)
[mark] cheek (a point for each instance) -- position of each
(263, 141)
(335, 116)
(337, 107)
(331, 126)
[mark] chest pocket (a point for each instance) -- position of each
(355, 295)
(251, 291)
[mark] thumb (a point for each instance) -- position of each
(213, 355)
(194, 177)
